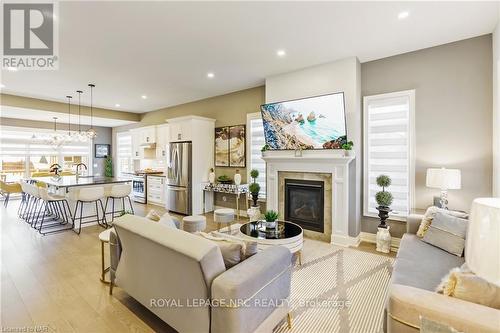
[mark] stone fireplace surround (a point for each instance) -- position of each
(339, 175)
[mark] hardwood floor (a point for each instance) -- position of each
(52, 282)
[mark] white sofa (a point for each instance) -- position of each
(417, 272)
(154, 263)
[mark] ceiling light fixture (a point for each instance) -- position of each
(69, 136)
(117, 105)
(281, 53)
(55, 139)
(144, 96)
(2, 86)
(210, 75)
(91, 133)
(81, 136)
(403, 15)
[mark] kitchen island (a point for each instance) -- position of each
(69, 187)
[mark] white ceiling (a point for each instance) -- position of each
(165, 49)
(42, 115)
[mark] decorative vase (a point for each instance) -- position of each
(384, 240)
(237, 178)
(255, 197)
(211, 177)
(383, 213)
(271, 224)
(253, 213)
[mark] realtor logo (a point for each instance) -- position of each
(29, 36)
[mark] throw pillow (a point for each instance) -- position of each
(167, 221)
(231, 251)
(153, 215)
(249, 248)
(447, 232)
(429, 215)
(463, 284)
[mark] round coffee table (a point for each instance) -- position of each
(287, 234)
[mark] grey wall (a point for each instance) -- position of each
(453, 84)
(104, 136)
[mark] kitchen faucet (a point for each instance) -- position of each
(78, 168)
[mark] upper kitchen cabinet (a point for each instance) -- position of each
(180, 129)
(162, 140)
(148, 134)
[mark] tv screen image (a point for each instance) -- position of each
(309, 123)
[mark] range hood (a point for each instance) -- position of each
(148, 145)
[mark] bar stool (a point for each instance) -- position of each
(6, 189)
(54, 208)
(224, 216)
(194, 223)
(119, 192)
(90, 195)
(104, 238)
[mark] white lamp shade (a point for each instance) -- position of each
(444, 179)
(482, 250)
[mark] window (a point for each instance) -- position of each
(255, 142)
(389, 149)
(21, 155)
(124, 152)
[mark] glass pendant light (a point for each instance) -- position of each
(82, 137)
(56, 140)
(91, 133)
(69, 137)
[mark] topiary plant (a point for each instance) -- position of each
(384, 199)
(384, 181)
(254, 188)
(254, 174)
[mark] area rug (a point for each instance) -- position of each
(338, 290)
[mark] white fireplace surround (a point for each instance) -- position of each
(332, 162)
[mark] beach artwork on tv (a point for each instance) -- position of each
(309, 123)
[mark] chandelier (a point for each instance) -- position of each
(82, 136)
(55, 139)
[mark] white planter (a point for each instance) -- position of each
(349, 153)
(211, 177)
(253, 214)
(237, 179)
(383, 240)
(271, 225)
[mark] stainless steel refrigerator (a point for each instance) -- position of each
(179, 186)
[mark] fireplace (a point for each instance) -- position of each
(304, 203)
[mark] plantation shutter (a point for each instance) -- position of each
(257, 141)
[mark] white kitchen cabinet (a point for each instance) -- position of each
(162, 140)
(137, 151)
(181, 130)
(156, 190)
(148, 134)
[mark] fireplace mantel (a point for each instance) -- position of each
(322, 161)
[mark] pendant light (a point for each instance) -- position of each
(91, 133)
(82, 137)
(69, 137)
(55, 139)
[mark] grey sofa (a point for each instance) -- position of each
(154, 263)
(418, 270)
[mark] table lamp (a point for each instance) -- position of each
(482, 251)
(443, 179)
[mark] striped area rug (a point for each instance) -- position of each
(338, 290)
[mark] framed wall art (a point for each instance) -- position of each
(222, 146)
(237, 146)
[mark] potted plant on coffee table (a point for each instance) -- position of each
(271, 216)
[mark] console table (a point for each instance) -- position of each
(236, 190)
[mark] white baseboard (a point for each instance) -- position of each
(372, 238)
(345, 241)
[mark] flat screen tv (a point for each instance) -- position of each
(309, 123)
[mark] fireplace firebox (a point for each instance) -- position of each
(304, 203)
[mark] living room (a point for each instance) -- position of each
(341, 175)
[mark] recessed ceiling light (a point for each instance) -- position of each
(281, 53)
(12, 69)
(2, 86)
(403, 15)
(117, 105)
(210, 75)
(144, 96)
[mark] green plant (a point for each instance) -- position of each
(108, 167)
(224, 178)
(254, 188)
(271, 216)
(264, 148)
(254, 173)
(383, 198)
(348, 145)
